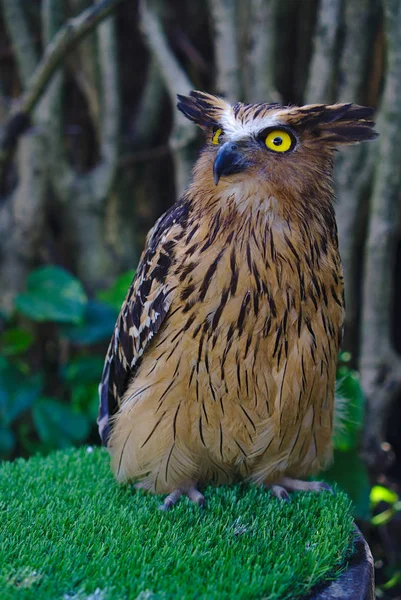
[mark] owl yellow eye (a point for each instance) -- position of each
(216, 136)
(278, 140)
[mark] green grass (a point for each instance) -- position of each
(69, 532)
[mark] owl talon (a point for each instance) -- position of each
(196, 497)
(287, 484)
(322, 486)
(280, 492)
(171, 499)
(192, 494)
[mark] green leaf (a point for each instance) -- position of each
(25, 396)
(384, 517)
(16, 341)
(83, 376)
(53, 294)
(27, 439)
(97, 325)
(380, 493)
(115, 295)
(351, 474)
(7, 442)
(344, 357)
(85, 400)
(393, 581)
(5, 316)
(18, 391)
(352, 409)
(57, 425)
(84, 370)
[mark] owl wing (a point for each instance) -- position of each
(142, 313)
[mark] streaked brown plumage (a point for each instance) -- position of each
(222, 364)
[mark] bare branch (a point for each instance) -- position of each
(86, 84)
(50, 103)
(359, 22)
(21, 39)
(22, 218)
(86, 197)
(320, 82)
(22, 214)
(228, 80)
(354, 166)
(110, 110)
(50, 110)
(147, 117)
(74, 30)
(380, 366)
(94, 259)
(4, 106)
(261, 55)
(176, 81)
(83, 64)
(174, 77)
(353, 174)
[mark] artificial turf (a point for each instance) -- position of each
(69, 532)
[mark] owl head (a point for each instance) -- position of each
(285, 146)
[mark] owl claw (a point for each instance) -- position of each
(193, 494)
(196, 497)
(287, 484)
(280, 492)
(321, 486)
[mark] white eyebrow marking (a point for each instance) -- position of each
(236, 129)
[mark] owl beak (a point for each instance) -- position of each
(229, 160)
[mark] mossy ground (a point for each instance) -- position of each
(69, 532)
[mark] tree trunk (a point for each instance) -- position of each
(380, 366)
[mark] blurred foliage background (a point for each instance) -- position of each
(92, 156)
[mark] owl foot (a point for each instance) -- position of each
(279, 492)
(191, 492)
(287, 484)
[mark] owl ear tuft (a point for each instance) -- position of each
(203, 109)
(339, 123)
(192, 111)
(350, 124)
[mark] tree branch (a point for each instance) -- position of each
(74, 30)
(83, 64)
(359, 20)
(175, 78)
(22, 214)
(21, 39)
(261, 54)
(228, 79)
(354, 166)
(50, 109)
(320, 82)
(176, 81)
(85, 197)
(22, 218)
(147, 117)
(109, 125)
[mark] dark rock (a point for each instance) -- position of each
(357, 581)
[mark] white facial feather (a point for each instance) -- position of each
(236, 129)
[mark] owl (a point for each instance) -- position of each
(223, 359)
